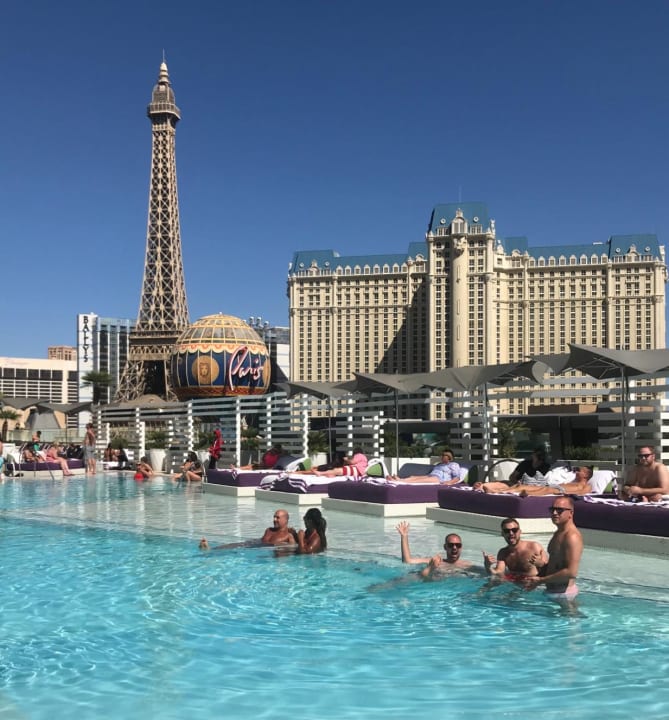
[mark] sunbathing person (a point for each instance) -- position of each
(268, 461)
(355, 466)
(191, 470)
(52, 456)
(580, 485)
(30, 456)
(519, 559)
(279, 534)
(447, 472)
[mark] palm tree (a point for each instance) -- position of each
(506, 435)
(99, 379)
(7, 414)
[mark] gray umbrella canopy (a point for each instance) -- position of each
(605, 363)
(316, 389)
(471, 377)
(370, 383)
(323, 390)
(66, 408)
(610, 364)
(145, 401)
(19, 403)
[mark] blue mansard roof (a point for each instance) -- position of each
(475, 213)
(615, 246)
(304, 259)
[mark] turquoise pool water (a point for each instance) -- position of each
(109, 610)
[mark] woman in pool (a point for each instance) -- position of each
(312, 539)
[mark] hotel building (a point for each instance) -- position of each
(465, 296)
(102, 345)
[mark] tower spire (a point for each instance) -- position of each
(163, 310)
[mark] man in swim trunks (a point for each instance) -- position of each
(648, 480)
(278, 534)
(519, 558)
(436, 565)
(564, 554)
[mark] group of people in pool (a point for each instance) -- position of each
(309, 541)
(524, 562)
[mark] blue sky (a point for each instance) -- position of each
(308, 125)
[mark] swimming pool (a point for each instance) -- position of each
(109, 610)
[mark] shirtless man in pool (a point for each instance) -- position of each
(519, 559)
(278, 534)
(564, 554)
(436, 565)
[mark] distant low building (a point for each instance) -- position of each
(62, 352)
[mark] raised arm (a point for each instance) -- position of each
(403, 529)
(494, 565)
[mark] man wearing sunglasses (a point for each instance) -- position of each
(564, 554)
(648, 480)
(436, 565)
(518, 559)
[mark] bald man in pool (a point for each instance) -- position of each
(279, 534)
(436, 565)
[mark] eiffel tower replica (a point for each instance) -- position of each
(163, 310)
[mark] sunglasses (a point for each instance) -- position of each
(453, 545)
(558, 510)
(643, 456)
(506, 531)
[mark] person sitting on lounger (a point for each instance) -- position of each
(29, 455)
(268, 461)
(191, 470)
(279, 534)
(580, 485)
(532, 465)
(648, 480)
(52, 455)
(437, 565)
(355, 466)
(518, 559)
(447, 472)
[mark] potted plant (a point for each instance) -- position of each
(317, 444)
(156, 445)
(249, 445)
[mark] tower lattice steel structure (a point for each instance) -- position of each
(163, 310)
